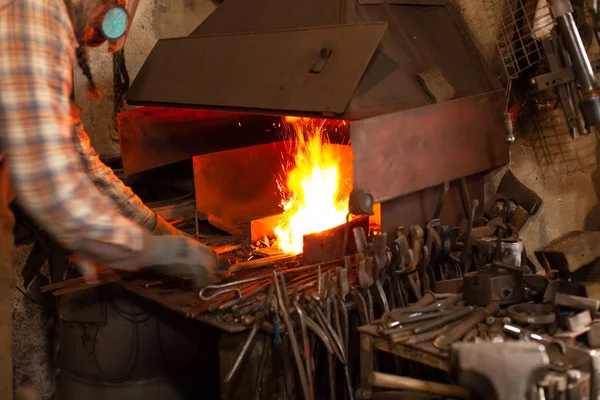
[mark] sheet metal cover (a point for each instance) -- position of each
(407, 151)
(259, 70)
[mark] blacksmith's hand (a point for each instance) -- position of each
(184, 257)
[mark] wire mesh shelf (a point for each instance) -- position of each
(523, 24)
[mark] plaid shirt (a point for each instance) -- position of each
(57, 176)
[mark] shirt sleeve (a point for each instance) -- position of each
(36, 60)
(105, 180)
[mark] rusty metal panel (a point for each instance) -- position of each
(421, 35)
(418, 38)
(329, 245)
(275, 70)
(240, 185)
(407, 151)
(152, 137)
(419, 207)
(233, 15)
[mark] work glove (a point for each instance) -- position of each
(183, 257)
(163, 228)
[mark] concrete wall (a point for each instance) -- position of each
(562, 171)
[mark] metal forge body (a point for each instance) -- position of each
(405, 75)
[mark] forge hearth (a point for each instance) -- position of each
(329, 245)
(419, 106)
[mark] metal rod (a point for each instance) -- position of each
(284, 308)
(243, 353)
(265, 276)
(462, 328)
(261, 262)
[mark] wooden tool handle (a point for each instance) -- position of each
(395, 382)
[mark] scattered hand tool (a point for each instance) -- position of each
(306, 345)
(381, 258)
(400, 265)
(442, 201)
(242, 354)
(364, 275)
(433, 241)
(416, 236)
(442, 320)
(459, 330)
(284, 308)
(576, 302)
(466, 253)
(344, 288)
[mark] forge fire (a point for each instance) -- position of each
(314, 194)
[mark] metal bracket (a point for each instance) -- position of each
(560, 77)
(565, 82)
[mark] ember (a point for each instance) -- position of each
(314, 196)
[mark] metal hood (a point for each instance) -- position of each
(347, 59)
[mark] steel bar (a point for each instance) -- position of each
(266, 276)
(576, 302)
(317, 330)
(79, 284)
(245, 296)
(261, 367)
(227, 248)
(425, 337)
(329, 332)
(443, 320)
(461, 329)
(305, 347)
(243, 353)
(259, 263)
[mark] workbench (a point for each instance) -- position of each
(175, 298)
(370, 340)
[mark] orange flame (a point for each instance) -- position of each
(314, 197)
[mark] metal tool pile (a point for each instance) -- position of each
(503, 303)
(437, 290)
(303, 310)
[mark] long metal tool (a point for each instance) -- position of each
(465, 257)
(226, 287)
(242, 355)
(305, 346)
(284, 307)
